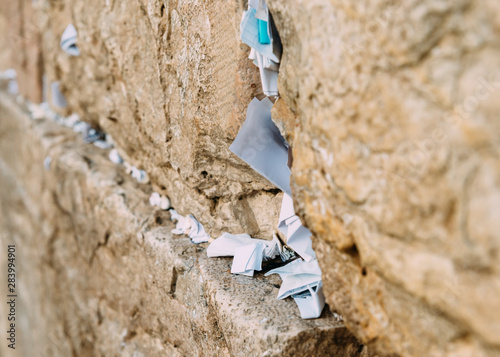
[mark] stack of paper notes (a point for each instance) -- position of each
(258, 32)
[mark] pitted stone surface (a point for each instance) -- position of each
(396, 165)
(170, 82)
(103, 275)
(391, 110)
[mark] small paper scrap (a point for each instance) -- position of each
(189, 226)
(140, 175)
(248, 253)
(302, 280)
(259, 143)
(58, 99)
(159, 200)
(68, 41)
(298, 236)
(115, 157)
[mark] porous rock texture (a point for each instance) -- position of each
(170, 82)
(392, 109)
(391, 112)
(100, 274)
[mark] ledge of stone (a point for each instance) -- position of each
(103, 275)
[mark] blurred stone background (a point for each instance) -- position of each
(391, 109)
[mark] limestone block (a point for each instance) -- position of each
(395, 165)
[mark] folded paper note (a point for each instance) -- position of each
(10, 76)
(159, 200)
(58, 99)
(154, 199)
(249, 253)
(298, 236)
(227, 243)
(297, 276)
(301, 278)
(164, 203)
(103, 144)
(248, 258)
(268, 72)
(68, 41)
(250, 35)
(115, 157)
(140, 175)
(46, 162)
(190, 226)
(260, 144)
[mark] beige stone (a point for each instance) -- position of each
(399, 191)
(391, 111)
(100, 274)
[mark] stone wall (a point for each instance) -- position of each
(396, 165)
(100, 274)
(391, 112)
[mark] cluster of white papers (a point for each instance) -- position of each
(89, 134)
(190, 226)
(248, 253)
(257, 32)
(161, 201)
(302, 281)
(68, 41)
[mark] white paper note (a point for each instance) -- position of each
(311, 302)
(298, 236)
(260, 144)
(68, 41)
(248, 258)
(268, 72)
(250, 35)
(115, 157)
(249, 253)
(58, 99)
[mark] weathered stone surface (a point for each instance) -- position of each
(20, 46)
(391, 110)
(170, 81)
(101, 275)
(402, 194)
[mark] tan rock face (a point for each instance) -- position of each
(20, 46)
(391, 110)
(396, 165)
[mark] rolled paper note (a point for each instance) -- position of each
(154, 199)
(263, 33)
(68, 41)
(164, 203)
